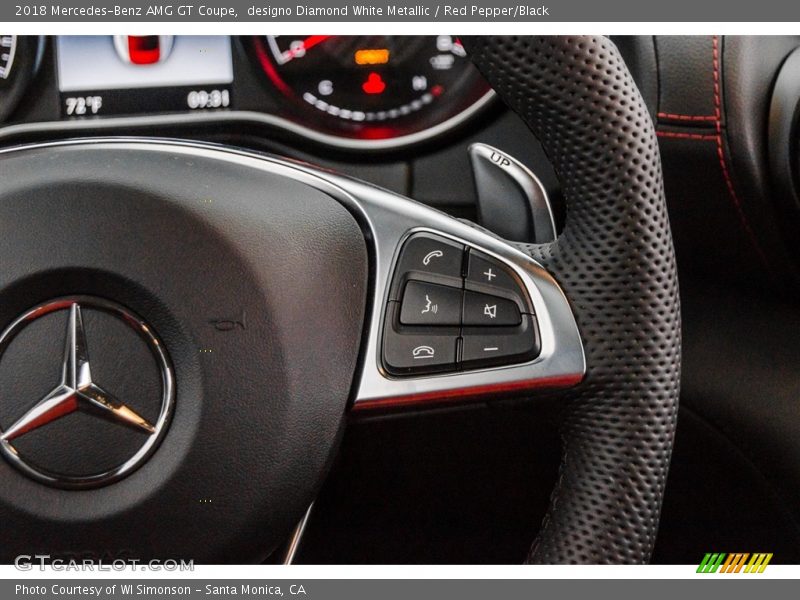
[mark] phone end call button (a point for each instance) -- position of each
(420, 352)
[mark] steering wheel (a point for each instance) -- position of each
(224, 310)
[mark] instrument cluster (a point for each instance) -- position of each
(355, 92)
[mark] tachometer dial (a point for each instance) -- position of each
(374, 87)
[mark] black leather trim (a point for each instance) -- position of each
(639, 53)
(712, 120)
(686, 90)
(616, 263)
(750, 67)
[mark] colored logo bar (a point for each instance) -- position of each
(734, 563)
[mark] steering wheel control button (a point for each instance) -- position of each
(483, 347)
(420, 353)
(430, 257)
(486, 310)
(486, 274)
(423, 351)
(453, 307)
(430, 304)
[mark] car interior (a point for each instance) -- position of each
(116, 152)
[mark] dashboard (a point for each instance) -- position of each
(353, 93)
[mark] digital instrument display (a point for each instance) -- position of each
(127, 74)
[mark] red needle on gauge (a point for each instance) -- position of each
(305, 46)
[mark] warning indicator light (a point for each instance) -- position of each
(372, 56)
(374, 84)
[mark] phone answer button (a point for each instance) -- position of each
(430, 257)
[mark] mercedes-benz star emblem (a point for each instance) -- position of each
(79, 390)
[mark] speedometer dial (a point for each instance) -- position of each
(374, 87)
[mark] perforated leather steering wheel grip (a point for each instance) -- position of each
(616, 263)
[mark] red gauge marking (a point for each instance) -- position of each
(305, 46)
(374, 84)
(313, 40)
(270, 70)
(379, 133)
